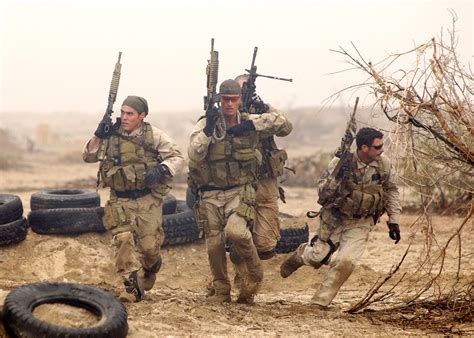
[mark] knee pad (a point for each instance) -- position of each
(321, 251)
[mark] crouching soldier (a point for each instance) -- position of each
(223, 166)
(137, 163)
(347, 219)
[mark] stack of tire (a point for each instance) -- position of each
(65, 211)
(13, 226)
(290, 238)
(76, 211)
(179, 225)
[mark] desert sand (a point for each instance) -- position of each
(177, 304)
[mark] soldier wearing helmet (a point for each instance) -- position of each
(223, 168)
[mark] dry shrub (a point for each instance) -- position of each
(430, 107)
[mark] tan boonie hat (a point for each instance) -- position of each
(229, 88)
(136, 102)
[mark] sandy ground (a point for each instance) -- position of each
(177, 304)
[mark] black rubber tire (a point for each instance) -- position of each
(190, 198)
(169, 205)
(11, 208)
(13, 232)
(19, 304)
(181, 227)
(292, 238)
(66, 220)
(64, 198)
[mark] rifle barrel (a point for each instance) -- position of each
(271, 77)
(254, 57)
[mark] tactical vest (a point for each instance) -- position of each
(366, 199)
(123, 168)
(230, 162)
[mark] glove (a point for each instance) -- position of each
(155, 175)
(258, 105)
(105, 127)
(211, 118)
(241, 128)
(394, 231)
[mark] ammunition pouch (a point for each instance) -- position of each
(360, 204)
(276, 162)
(231, 162)
(115, 216)
(246, 208)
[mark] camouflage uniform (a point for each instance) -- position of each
(347, 228)
(224, 174)
(266, 227)
(133, 213)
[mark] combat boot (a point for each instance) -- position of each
(251, 280)
(247, 292)
(133, 289)
(291, 264)
(210, 290)
(148, 280)
(219, 298)
(148, 276)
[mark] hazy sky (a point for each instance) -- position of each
(58, 56)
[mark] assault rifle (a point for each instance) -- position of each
(339, 177)
(212, 98)
(212, 72)
(109, 110)
(344, 151)
(249, 98)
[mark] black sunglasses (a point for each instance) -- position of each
(378, 147)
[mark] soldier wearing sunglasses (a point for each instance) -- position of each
(345, 224)
(223, 170)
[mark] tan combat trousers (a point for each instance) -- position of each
(266, 228)
(217, 210)
(352, 237)
(136, 226)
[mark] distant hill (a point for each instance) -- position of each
(314, 129)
